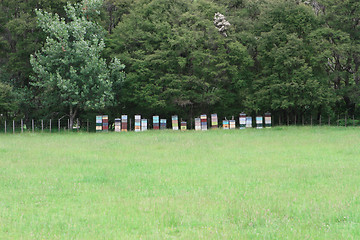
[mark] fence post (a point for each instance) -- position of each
(302, 120)
(42, 125)
(5, 126)
(32, 124)
(59, 125)
(353, 120)
(345, 120)
(287, 119)
(50, 126)
(13, 126)
(22, 126)
(77, 124)
(87, 125)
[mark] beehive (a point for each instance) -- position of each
(268, 120)
(203, 122)
(197, 124)
(232, 124)
(105, 122)
(242, 120)
(175, 122)
(214, 120)
(124, 121)
(137, 123)
(156, 122)
(99, 123)
(162, 124)
(226, 124)
(183, 126)
(117, 124)
(143, 124)
(249, 122)
(259, 122)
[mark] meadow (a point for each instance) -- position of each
(279, 183)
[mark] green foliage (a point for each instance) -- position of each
(176, 57)
(286, 75)
(7, 99)
(69, 68)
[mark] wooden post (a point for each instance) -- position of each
(287, 119)
(279, 120)
(77, 124)
(353, 120)
(59, 125)
(50, 126)
(311, 120)
(337, 124)
(329, 121)
(42, 125)
(302, 120)
(87, 125)
(320, 120)
(32, 125)
(22, 126)
(5, 126)
(345, 120)
(13, 126)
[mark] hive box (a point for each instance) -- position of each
(175, 122)
(268, 120)
(117, 124)
(225, 124)
(197, 124)
(242, 120)
(124, 120)
(232, 124)
(183, 126)
(249, 122)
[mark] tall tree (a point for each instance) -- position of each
(177, 59)
(286, 82)
(69, 69)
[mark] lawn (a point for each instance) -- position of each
(279, 183)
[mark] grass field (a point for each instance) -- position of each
(279, 183)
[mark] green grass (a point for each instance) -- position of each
(280, 183)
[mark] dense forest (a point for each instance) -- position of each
(292, 58)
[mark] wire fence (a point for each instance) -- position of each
(89, 125)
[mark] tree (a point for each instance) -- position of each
(7, 99)
(69, 69)
(286, 82)
(178, 62)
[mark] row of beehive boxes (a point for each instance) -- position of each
(121, 124)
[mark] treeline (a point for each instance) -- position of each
(288, 57)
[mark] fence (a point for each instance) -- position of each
(45, 125)
(89, 125)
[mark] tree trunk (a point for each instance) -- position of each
(72, 116)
